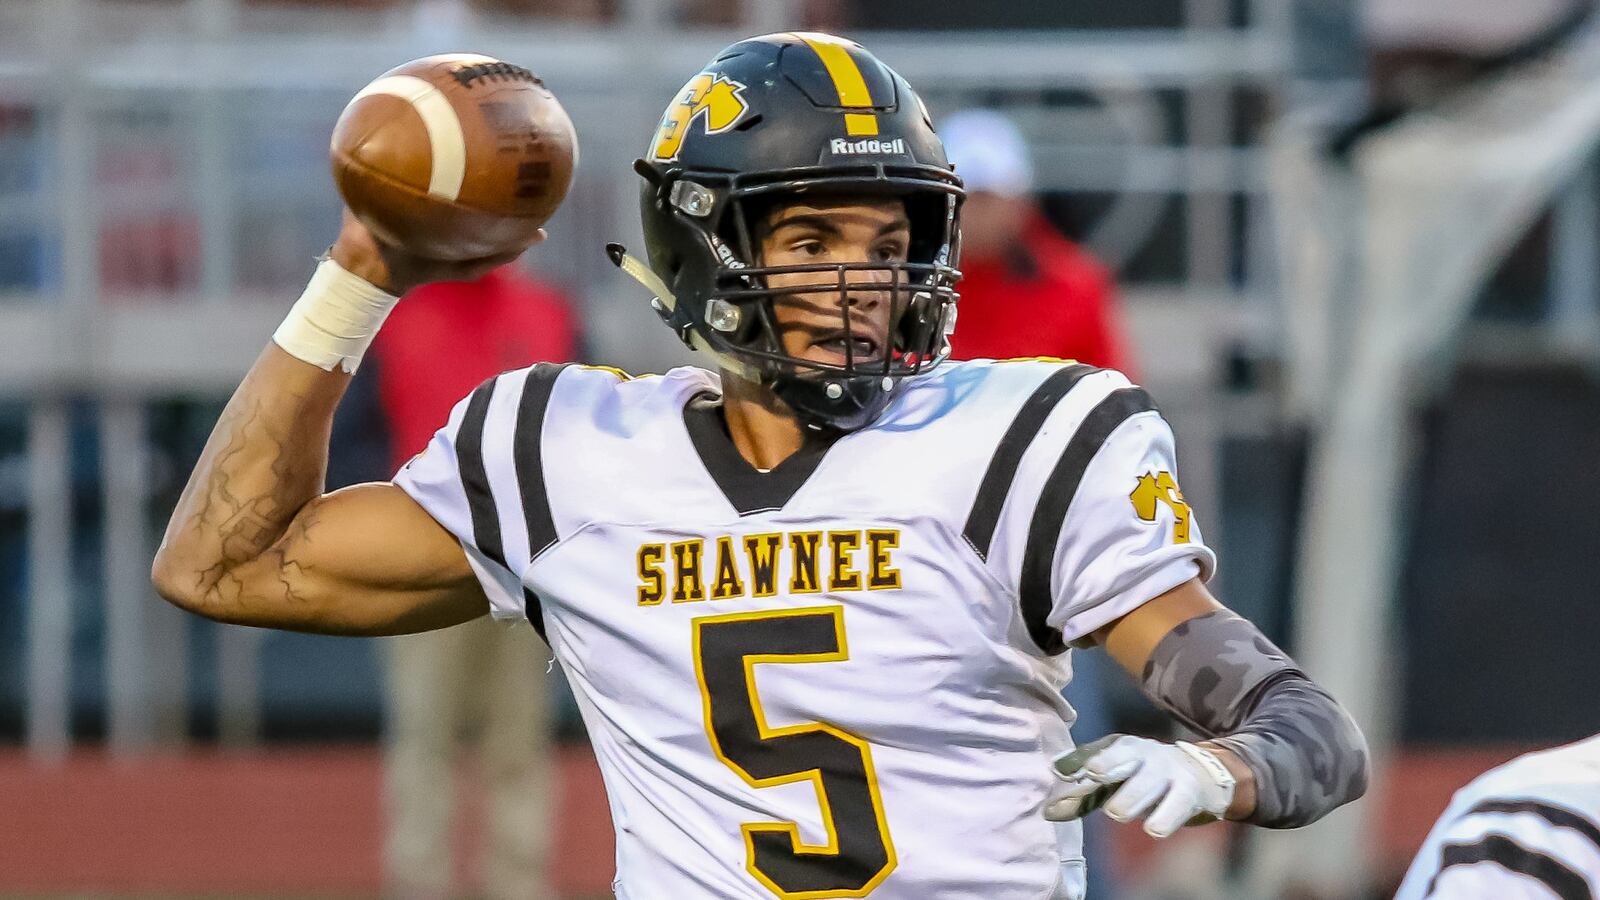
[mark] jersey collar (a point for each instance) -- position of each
(748, 489)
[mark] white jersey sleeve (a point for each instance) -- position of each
(1095, 524)
(481, 478)
(1507, 850)
(1528, 829)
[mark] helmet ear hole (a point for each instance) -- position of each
(926, 238)
(741, 226)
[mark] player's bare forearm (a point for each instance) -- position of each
(263, 464)
(228, 553)
(253, 540)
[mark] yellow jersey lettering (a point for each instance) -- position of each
(690, 570)
(762, 550)
(686, 582)
(803, 547)
(880, 575)
(728, 585)
(841, 577)
(652, 581)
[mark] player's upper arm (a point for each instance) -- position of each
(482, 479)
(366, 560)
(1094, 524)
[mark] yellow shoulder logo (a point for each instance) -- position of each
(1155, 489)
(716, 99)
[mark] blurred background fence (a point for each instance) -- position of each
(164, 189)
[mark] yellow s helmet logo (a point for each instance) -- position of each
(716, 99)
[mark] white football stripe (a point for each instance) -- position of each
(445, 138)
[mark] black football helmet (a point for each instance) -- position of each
(775, 118)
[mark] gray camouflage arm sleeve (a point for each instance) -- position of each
(1221, 676)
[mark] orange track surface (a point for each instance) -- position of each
(284, 821)
(309, 821)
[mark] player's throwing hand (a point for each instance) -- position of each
(395, 270)
(1170, 784)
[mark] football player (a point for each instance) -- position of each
(1528, 829)
(815, 605)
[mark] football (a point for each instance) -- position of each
(456, 156)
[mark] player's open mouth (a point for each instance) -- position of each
(842, 347)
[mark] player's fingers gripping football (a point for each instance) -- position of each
(396, 271)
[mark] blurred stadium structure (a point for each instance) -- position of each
(1299, 289)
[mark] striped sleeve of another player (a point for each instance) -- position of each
(1509, 847)
(482, 478)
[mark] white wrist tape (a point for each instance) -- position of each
(1214, 766)
(334, 321)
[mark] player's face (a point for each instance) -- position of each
(831, 231)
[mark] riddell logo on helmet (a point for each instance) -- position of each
(840, 145)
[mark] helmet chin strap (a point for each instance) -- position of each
(638, 271)
(666, 303)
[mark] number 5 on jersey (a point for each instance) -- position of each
(858, 854)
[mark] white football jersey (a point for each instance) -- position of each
(842, 677)
(1528, 830)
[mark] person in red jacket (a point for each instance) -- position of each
(1026, 290)
(482, 680)
(449, 336)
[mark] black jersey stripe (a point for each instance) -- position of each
(1513, 857)
(1559, 816)
(529, 455)
(997, 479)
(475, 475)
(1044, 531)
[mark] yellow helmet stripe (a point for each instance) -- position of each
(835, 55)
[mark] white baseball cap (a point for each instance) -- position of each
(988, 152)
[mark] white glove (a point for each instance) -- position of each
(1173, 783)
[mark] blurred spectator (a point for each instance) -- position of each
(1026, 290)
(484, 681)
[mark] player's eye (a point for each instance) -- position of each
(810, 247)
(891, 251)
